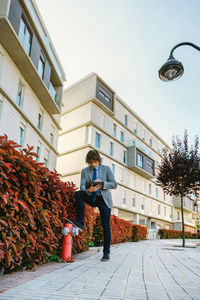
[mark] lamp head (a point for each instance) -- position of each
(172, 69)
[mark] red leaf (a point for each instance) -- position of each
(23, 204)
(4, 197)
(3, 222)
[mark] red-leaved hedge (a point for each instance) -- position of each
(121, 231)
(176, 234)
(34, 204)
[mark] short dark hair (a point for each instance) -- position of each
(93, 155)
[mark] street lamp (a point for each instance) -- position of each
(173, 69)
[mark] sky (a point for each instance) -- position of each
(126, 42)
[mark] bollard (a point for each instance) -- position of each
(68, 232)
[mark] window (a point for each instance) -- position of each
(51, 138)
(126, 120)
(178, 215)
(97, 140)
(25, 36)
(156, 192)
(150, 189)
(150, 142)
(159, 209)
(140, 160)
(113, 169)
(38, 153)
(165, 211)
(46, 158)
(164, 196)
(122, 175)
(1, 104)
(1, 63)
(143, 134)
(135, 128)
(124, 197)
(20, 94)
(111, 148)
(114, 130)
(151, 206)
(41, 66)
(122, 136)
(104, 94)
(21, 135)
(134, 200)
(52, 135)
(125, 157)
(40, 120)
(142, 204)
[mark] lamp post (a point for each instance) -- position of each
(173, 69)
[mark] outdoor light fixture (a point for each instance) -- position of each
(173, 69)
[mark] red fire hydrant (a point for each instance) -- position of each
(68, 232)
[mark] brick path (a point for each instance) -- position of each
(152, 270)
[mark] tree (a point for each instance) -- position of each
(179, 171)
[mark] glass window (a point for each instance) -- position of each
(142, 204)
(164, 196)
(126, 120)
(21, 135)
(1, 104)
(20, 93)
(40, 120)
(156, 192)
(111, 148)
(140, 160)
(124, 197)
(165, 211)
(46, 158)
(150, 142)
(159, 209)
(51, 138)
(134, 200)
(41, 66)
(122, 175)
(150, 189)
(151, 206)
(178, 215)
(122, 136)
(125, 157)
(104, 94)
(97, 140)
(135, 128)
(113, 168)
(38, 153)
(114, 130)
(25, 36)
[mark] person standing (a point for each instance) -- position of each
(98, 195)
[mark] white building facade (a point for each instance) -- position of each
(31, 80)
(94, 117)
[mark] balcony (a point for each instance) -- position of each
(187, 204)
(140, 162)
(8, 38)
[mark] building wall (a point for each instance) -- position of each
(12, 74)
(137, 198)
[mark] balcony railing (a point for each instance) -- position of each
(187, 203)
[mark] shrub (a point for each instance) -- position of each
(121, 231)
(176, 234)
(34, 204)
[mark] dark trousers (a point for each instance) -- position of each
(104, 210)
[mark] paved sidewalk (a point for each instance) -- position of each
(152, 270)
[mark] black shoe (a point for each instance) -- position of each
(77, 224)
(105, 257)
